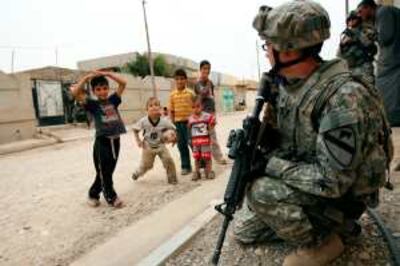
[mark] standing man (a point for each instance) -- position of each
(204, 88)
(387, 20)
(333, 149)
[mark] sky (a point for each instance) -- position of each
(217, 30)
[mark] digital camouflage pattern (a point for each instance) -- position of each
(334, 136)
(365, 72)
(358, 47)
(294, 25)
(345, 152)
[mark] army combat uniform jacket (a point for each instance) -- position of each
(333, 143)
(358, 47)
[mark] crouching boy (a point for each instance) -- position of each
(157, 131)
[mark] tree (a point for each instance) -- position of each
(140, 66)
(160, 67)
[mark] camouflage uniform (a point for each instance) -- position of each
(315, 163)
(358, 47)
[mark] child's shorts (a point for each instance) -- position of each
(202, 152)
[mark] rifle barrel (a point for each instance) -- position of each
(221, 238)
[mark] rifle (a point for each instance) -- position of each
(243, 149)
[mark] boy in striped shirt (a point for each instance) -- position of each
(180, 108)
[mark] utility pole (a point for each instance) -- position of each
(258, 61)
(347, 7)
(12, 60)
(150, 58)
(56, 53)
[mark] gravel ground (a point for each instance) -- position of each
(368, 249)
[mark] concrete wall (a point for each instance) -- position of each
(65, 75)
(250, 100)
(17, 115)
(106, 62)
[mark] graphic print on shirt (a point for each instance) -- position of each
(199, 129)
(154, 136)
(109, 113)
(205, 90)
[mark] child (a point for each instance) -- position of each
(204, 89)
(180, 107)
(157, 130)
(200, 125)
(109, 126)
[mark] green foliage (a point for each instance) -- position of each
(140, 66)
(160, 66)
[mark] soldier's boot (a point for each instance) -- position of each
(330, 248)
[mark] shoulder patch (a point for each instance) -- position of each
(341, 146)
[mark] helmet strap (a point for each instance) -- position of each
(281, 65)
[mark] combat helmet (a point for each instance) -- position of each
(352, 15)
(294, 25)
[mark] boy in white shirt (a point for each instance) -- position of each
(157, 131)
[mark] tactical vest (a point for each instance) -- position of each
(299, 120)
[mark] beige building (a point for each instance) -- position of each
(17, 114)
(120, 60)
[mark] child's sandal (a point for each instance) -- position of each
(196, 176)
(173, 182)
(92, 202)
(117, 203)
(210, 175)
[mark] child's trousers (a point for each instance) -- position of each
(147, 161)
(105, 156)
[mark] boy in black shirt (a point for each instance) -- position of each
(109, 126)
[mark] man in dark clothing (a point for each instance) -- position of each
(387, 21)
(388, 79)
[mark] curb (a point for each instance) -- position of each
(24, 145)
(42, 139)
(176, 243)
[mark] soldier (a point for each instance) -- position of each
(334, 149)
(358, 48)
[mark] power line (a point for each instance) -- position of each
(35, 48)
(26, 47)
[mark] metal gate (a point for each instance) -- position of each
(48, 102)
